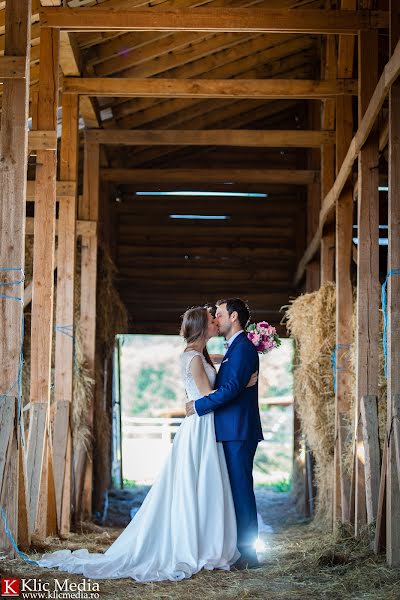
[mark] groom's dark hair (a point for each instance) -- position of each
(237, 305)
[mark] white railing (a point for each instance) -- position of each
(163, 428)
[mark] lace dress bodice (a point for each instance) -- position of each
(191, 388)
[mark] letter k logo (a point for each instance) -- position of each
(10, 587)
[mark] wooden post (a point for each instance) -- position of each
(313, 199)
(13, 161)
(367, 329)
(39, 444)
(64, 359)
(372, 459)
(328, 161)
(344, 295)
(88, 209)
(393, 304)
(344, 308)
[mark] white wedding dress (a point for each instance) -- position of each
(187, 521)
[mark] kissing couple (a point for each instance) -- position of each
(201, 510)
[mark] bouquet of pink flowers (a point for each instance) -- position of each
(263, 336)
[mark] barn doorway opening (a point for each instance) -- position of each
(149, 401)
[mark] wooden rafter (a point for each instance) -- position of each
(208, 88)
(226, 19)
(217, 137)
(299, 177)
(389, 75)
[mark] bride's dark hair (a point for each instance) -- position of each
(194, 327)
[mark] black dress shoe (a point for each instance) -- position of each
(245, 563)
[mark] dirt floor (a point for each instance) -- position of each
(299, 561)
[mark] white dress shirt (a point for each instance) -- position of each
(234, 336)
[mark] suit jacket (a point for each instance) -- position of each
(236, 411)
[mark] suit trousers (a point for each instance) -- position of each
(239, 455)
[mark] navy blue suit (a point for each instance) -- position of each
(238, 427)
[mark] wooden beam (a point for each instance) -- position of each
(43, 287)
(207, 88)
(63, 189)
(327, 250)
(368, 292)
(83, 227)
(388, 77)
(64, 355)
(88, 209)
(13, 160)
(393, 305)
(344, 299)
(214, 20)
(42, 140)
(299, 177)
(215, 137)
(12, 67)
(70, 65)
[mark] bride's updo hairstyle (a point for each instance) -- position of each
(194, 327)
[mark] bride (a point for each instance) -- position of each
(187, 521)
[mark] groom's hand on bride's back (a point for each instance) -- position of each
(190, 408)
(253, 379)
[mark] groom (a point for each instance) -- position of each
(237, 419)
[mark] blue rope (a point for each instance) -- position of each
(21, 358)
(10, 537)
(384, 309)
(335, 366)
(19, 383)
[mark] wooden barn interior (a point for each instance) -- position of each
(204, 150)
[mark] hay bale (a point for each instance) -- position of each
(311, 321)
(112, 319)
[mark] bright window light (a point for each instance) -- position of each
(190, 193)
(383, 188)
(380, 226)
(382, 241)
(207, 217)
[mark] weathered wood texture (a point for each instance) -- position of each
(368, 292)
(213, 20)
(13, 154)
(89, 209)
(393, 305)
(43, 287)
(65, 326)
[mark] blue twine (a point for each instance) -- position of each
(395, 271)
(65, 329)
(21, 358)
(19, 383)
(335, 366)
(10, 537)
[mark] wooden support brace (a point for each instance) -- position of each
(36, 460)
(396, 432)
(380, 529)
(63, 189)
(9, 466)
(369, 414)
(83, 228)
